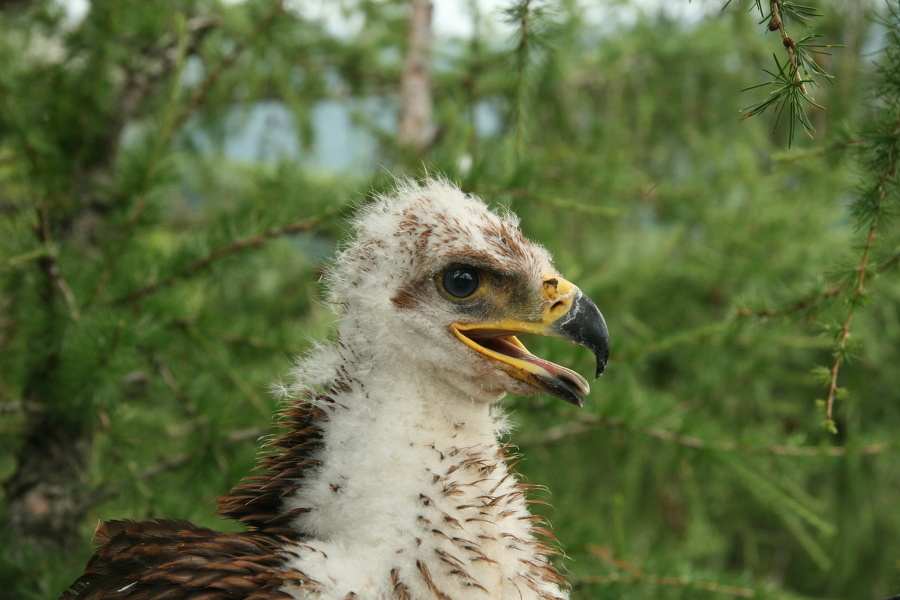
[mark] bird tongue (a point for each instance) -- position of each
(512, 347)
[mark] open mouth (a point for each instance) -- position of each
(503, 346)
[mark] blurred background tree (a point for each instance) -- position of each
(175, 173)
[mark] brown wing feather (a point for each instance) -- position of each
(176, 560)
(258, 501)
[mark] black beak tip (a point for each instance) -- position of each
(584, 325)
(602, 356)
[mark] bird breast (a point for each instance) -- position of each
(398, 515)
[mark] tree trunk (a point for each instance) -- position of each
(43, 495)
(416, 127)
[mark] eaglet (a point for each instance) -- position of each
(387, 480)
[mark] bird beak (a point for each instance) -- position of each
(565, 313)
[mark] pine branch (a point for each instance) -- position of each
(174, 120)
(556, 202)
(678, 338)
(218, 254)
(777, 22)
(841, 351)
(791, 80)
(48, 263)
(256, 343)
(250, 391)
(202, 91)
(20, 406)
(155, 64)
(588, 423)
(167, 465)
(196, 422)
(880, 164)
(795, 307)
(15, 262)
(810, 301)
(636, 576)
(520, 13)
(147, 70)
(533, 20)
(666, 581)
(171, 382)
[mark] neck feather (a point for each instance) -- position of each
(370, 470)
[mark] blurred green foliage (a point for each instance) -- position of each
(151, 289)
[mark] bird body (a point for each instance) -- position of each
(387, 480)
(440, 510)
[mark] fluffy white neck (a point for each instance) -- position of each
(412, 494)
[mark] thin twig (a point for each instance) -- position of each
(805, 303)
(153, 65)
(14, 262)
(171, 382)
(664, 581)
(797, 306)
(256, 343)
(636, 576)
(787, 42)
(172, 125)
(207, 84)
(859, 289)
(17, 406)
(588, 423)
(164, 466)
(858, 292)
(522, 56)
(228, 373)
(569, 205)
(7, 327)
(218, 254)
(50, 266)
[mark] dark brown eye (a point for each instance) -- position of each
(461, 282)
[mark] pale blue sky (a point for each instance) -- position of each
(453, 18)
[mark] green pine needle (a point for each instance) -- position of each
(792, 79)
(787, 96)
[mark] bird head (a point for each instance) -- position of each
(435, 281)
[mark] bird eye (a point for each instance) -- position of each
(461, 282)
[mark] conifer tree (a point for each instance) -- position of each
(153, 285)
(127, 322)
